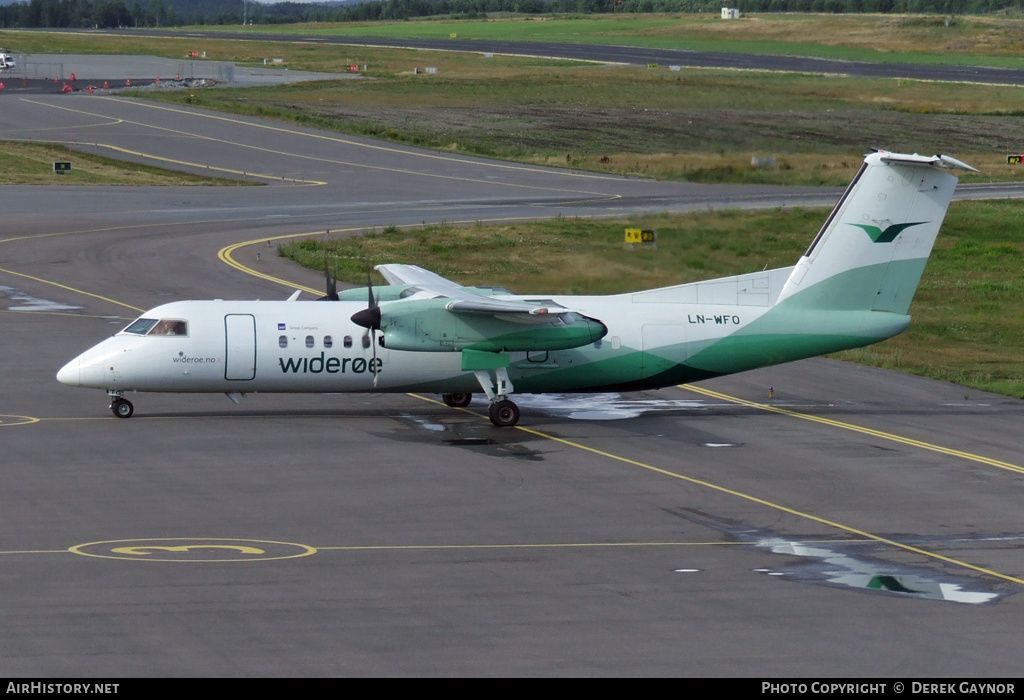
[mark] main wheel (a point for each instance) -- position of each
(456, 400)
(504, 414)
(122, 408)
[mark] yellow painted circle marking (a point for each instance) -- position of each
(16, 420)
(193, 549)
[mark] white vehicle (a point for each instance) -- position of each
(6, 60)
(423, 333)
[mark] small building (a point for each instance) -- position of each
(730, 13)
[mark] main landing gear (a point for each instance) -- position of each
(457, 400)
(121, 407)
(502, 412)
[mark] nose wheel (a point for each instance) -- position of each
(122, 408)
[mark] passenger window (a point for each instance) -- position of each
(310, 342)
(282, 341)
(328, 342)
(366, 340)
(348, 341)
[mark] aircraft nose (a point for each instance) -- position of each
(71, 373)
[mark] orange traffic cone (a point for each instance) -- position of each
(158, 80)
(1, 86)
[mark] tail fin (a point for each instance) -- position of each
(871, 252)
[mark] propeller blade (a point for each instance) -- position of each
(373, 339)
(372, 304)
(369, 318)
(332, 285)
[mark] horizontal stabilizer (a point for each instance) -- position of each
(939, 161)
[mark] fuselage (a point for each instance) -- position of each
(653, 340)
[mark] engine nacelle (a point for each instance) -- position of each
(426, 325)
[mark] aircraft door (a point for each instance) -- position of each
(239, 346)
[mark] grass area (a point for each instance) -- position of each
(698, 125)
(975, 40)
(967, 325)
(23, 163)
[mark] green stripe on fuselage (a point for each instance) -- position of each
(827, 317)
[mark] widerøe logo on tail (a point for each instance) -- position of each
(888, 235)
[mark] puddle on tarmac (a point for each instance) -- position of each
(459, 432)
(836, 565)
(472, 434)
(24, 302)
(607, 406)
(860, 564)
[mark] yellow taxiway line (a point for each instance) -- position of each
(754, 499)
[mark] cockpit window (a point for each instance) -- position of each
(170, 327)
(141, 326)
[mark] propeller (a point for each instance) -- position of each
(332, 285)
(369, 318)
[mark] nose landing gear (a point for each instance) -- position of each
(120, 406)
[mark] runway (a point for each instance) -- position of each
(858, 523)
(637, 55)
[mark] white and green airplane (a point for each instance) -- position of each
(423, 333)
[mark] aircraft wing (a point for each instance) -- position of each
(463, 300)
(396, 273)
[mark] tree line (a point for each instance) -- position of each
(108, 14)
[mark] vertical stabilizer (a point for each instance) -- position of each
(872, 249)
